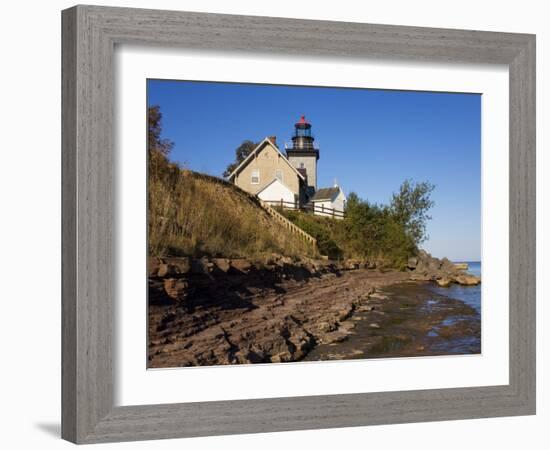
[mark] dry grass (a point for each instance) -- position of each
(195, 215)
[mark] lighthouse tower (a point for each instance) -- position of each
(303, 154)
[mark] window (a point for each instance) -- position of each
(279, 174)
(255, 179)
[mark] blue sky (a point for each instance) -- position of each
(370, 141)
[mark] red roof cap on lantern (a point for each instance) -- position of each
(302, 121)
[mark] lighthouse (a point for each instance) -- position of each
(303, 154)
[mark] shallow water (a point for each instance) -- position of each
(470, 295)
(412, 319)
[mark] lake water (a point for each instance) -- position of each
(471, 295)
(414, 319)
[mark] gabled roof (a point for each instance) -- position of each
(258, 148)
(326, 194)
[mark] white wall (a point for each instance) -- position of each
(338, 202)
(328, 206)
(277, 191)
(30, 233)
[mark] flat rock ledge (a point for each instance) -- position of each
(209, 312)
(213, 311)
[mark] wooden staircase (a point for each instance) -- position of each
(287, 223)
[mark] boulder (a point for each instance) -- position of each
(167, 270)
(334, 337)
(345, 313)
(351, 264)
(434, 264)
(447, 266)
(176, 288)
(466, 279)
(201, 266)
(420, 276)
(241, 265)
(443, 282)
(281, 357)
(182, 265)
(153, 265)
(412, 262)
(222, 264)
(285, 261)
(370, 264)
(327, 327)
(346, 327)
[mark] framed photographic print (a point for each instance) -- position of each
(279, 224)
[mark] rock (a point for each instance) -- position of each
(215, 321)
(182, 265)
(176, 288)
(157, 295)
(447, 266)
(434, 264)
(442, 271)
(167, 270)
(281, 357)
(374, 325)
(344, 313)
(285, 260)
(153, 265)
(412, 262)
(365, 308)
(466, 279)
(241, 265)
(420, 276)
(327, 327)
(201, 266)
(222, 264)
(370, 264)
(346, 327)
(351, 264)
(255, 356)
(333, 338)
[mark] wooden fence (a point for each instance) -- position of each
(309, 207)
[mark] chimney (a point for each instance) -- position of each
(273, 140)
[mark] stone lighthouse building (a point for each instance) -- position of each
(303, 154)
(290, 179)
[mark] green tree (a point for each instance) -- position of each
(410, 207)
(369, 231)
(241, 152)
(158, 148)
(154, 132)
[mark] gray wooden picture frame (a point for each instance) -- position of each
(90, 34)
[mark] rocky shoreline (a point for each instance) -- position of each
(214, 311)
